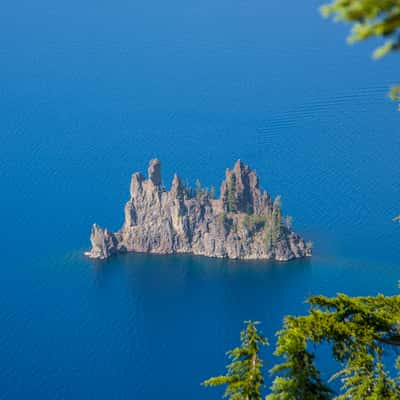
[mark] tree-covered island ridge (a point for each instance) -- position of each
(243, 223)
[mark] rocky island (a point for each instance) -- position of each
(243, 223)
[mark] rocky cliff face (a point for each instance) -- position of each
(244, 223)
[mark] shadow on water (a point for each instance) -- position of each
(216, 288)
(175, 271)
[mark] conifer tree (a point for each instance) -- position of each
(232, 194)
(276, 220)
(357, 329)
(244, 378)
(299, 380)
(268, 234)
(370, 19)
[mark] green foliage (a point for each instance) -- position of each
(243, 379)
(254, 221)
(276, 221)
(198, 192)
(223, 219)
(370, 19)
(395, 93)
(273, 224)
(227, 223)
(357, 329)
(269, 243)
(232, 194)
(300, 380)
(259, 221)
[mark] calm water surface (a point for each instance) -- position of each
(89, 92)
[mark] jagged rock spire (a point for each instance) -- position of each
(176, 187)
(242, 184)
(104, 243)
(235, 226)
(136, 183)
(154, 171)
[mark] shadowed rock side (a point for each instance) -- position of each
(244, 223)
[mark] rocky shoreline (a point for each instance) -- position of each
(243, 223)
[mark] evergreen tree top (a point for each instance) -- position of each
(243, 379)
(357, 329)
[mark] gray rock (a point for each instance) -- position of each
(104, 243)
(154, 172)
(244, 223)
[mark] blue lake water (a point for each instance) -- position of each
(90, 91)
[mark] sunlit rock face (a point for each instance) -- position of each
(243, 223)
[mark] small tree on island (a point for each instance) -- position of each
(232, 194)
(276, 220)
(244, 378)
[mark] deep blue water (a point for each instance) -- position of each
(90, 91)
